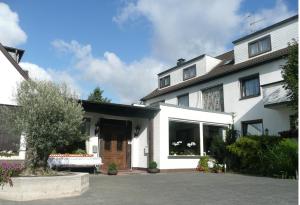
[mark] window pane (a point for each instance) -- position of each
(189, 72)
(184, 138)
(260, 46)
(253, 129)
(251, 87)
(183, 100)
(120, 144)
(210, 132)
(165, 81)
(107, 142)
(213, 99)
(86, 126)
(253, 49)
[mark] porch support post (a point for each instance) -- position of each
(150, 140)
(201, 138)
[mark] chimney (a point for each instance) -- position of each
(180, 61)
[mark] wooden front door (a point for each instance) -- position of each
(114, 149)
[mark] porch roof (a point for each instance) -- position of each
(119, 109)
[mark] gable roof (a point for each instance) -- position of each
(13, 62)
(222, 69)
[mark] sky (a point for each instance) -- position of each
(121, 45)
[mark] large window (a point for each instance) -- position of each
(183, 100)
(259, 46)
(189, 72)
(184, 138)
(250, 86)
(164, 82)
(213, 98)
(253, 127)
(211, 133)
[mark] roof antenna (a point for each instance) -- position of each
(253, 23)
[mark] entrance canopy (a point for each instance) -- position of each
(119, 109)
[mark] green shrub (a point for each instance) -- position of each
(282, 159)
(203, 163)
(265, 155)
(152, 165)
(218, 149)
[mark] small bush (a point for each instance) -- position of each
(112, 167)
(203, 163)
(152, 165)
(8, 170)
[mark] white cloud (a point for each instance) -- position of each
(129, 81)
(37, 72)
(188, 29)
(11, 34)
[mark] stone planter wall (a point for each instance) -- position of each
(33, 188)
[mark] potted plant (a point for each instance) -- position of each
(153, 167)
(112, 169)
(217, 168)
(203, 164)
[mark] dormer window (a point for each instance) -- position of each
(259, 46)
(164, 82)
(189, 72)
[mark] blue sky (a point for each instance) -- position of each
(121, 45)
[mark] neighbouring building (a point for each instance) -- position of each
(11, 74)
(195, 101)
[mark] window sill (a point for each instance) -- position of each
(248, 97)
(184, 157)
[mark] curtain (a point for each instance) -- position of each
(213, 99)
(251, 87)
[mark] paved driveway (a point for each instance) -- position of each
(181, 188)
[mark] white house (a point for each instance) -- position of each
(11, 74)
(197, 100)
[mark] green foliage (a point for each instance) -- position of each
(231, 135)
(50, 116)
(290, 75)
(203, 163)
(79, 151)
(282, 159)
(152, 165)
(265, 155)
(112, 168)
(218, 149)
(96, 96)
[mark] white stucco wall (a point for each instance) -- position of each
(280, 36)
(138, 144)
(161, 134)
(248, 109)
(9, 79)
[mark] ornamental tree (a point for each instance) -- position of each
(50, 116)
(290, 75)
